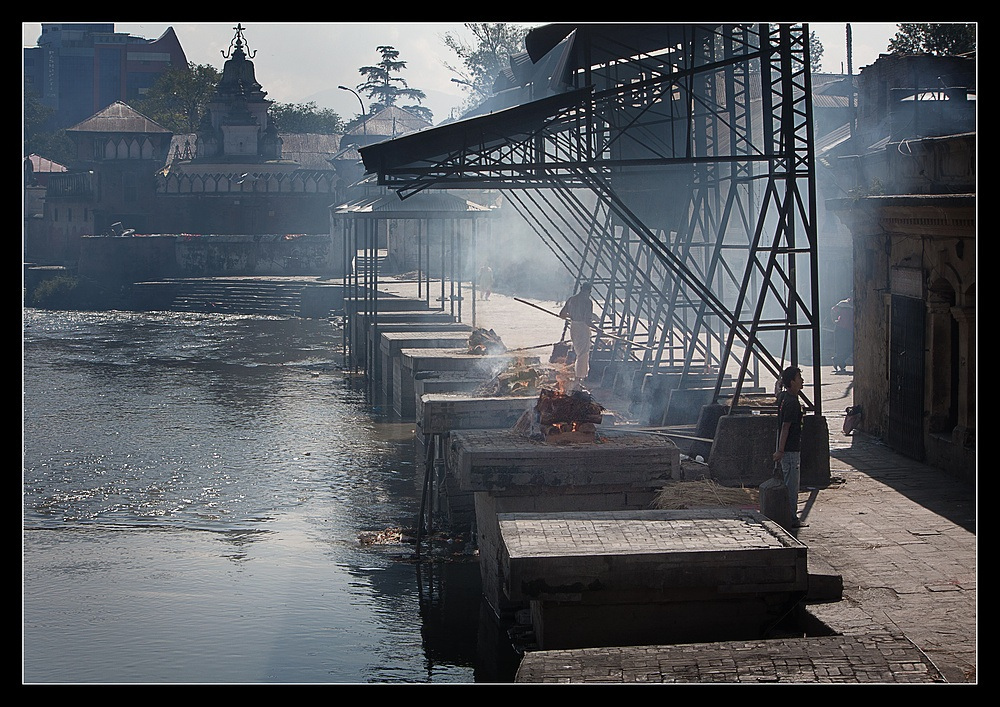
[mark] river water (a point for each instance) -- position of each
(196, 492)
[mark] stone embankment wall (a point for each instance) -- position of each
(150, 257)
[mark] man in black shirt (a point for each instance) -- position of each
(788, 450)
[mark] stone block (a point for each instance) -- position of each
(744, 444)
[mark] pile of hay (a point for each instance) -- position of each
(679, 495)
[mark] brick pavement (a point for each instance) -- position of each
(875, 657)
(902, 535)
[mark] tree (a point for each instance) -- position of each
(306, 118)
(815, 53)
(385, 89)
(938, 39)
(35, 115)
(55, 146)
(179, 97)
(483, 60)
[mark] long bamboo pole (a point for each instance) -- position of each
(592, 326)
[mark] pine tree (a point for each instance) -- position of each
(385, 89)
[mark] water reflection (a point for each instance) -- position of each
(199, 482)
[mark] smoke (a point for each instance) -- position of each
(522, 263)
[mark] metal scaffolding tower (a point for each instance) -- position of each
(672, 167)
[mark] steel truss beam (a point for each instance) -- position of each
(680, 182)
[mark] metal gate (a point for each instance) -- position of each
(906, 377)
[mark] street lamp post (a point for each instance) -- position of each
(364, 120)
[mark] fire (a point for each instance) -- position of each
(561, 418)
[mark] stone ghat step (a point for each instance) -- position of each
(224, 296)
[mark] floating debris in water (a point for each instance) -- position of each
(389, 536)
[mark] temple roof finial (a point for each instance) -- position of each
(236, 46)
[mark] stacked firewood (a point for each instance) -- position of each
(519, 377)
(561, 418)
(554, 407)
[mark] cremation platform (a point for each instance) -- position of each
(511, 473)
(438, 415)
(432, 382)
(510, 463)
(412, 362)
(645, 577)
(877, 657)
(392, 342)
(441, 413)
(363, 328)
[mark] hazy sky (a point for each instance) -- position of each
(302, 62)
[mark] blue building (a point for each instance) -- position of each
(79, 68)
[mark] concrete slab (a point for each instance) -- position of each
(392, 342)
(363, 329)
(743, 444)
(505, 461)
(432, 382)
(438, 414)
(651, 576)
(412, 362)
(441, 413)
(510, 473)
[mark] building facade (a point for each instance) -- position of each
(118, 151)
(79, 68)
(235, 177)
(912, 217)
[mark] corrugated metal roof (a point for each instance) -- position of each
(118, 118)
(495, 128)
(834, 84)
(825, 143)
(391, 121)
(824, 101)
(311, 150)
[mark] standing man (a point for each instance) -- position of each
(485, 282)
(579, 309)
(788, 451)
(843, 334)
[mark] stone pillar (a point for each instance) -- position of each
(743, 445)
(965, 429)
(938, 366)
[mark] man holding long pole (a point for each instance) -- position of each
(579, 309)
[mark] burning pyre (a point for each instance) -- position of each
(520, 377)
(561, 418)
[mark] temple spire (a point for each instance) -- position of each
(239, 41)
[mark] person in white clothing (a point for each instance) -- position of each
(579, 309)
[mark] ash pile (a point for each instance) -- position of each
(483, 342)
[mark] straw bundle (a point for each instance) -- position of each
(678, 495)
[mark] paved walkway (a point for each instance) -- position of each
(901, 534)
